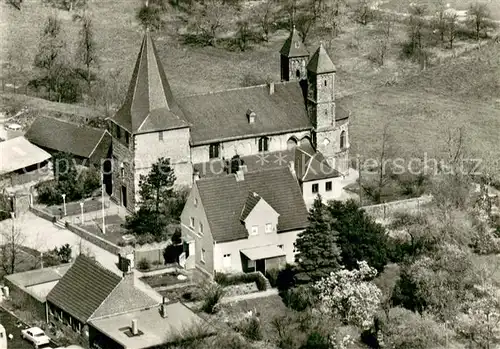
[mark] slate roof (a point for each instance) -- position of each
(65, 136)
(293, 46)
(221, 116)
(311, 165)
(320, 62)
(149, 105)
(224, 198)
(17, 153)
(83, 288)
(252, 200)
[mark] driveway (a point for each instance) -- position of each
(42, 235)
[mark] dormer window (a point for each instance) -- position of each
(297, 44)
(251, 116)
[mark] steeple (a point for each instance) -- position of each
(149, 105)
(320, 62)
(293, 57)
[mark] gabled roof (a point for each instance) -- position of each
(311, 165)
(222, 116)
(320, 62)
(63, 136)
(83, 288)
(149, 105)
(293, 46)
(252, 200)
(17, 153)
(224, 198)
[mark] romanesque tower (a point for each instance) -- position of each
(293, 58)
(321, 103)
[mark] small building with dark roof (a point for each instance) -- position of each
(88, 145)
(244, 221)
(214, 126)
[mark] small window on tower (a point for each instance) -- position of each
(325, 83)
(326, 112)
(297, 44)
(297, 73)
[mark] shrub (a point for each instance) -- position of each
(299, 298)
(221, 279)
(143, 239)
(143, 264)
(261, 282)
(213, 294)
(244, 278)
(250, 328)
(48, 193)
(272, 276)
(316, 340)
(177, 236)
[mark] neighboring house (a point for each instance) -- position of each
(88, 145)
(154, 327)
(218, 125)
(89, 291)
(243, 221)
(30, 289)
(22, 162)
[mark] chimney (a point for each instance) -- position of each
(239, 176)
(251, 116)
(243, 168)
(163, 310)
(196, 175)
(271, 88)
(291, 165)
(134, 329)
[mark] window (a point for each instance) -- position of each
(251, 263)
(213, 150)
(201, 228)
(118, 132)
(263, 144)
(269, 228)
(255, 230)
(281, 246)
(191, 222)
(226, 261)
(160, 136)
(328, 186)
(325, 83)
(297, 73)
(122, 169)
(195, 202)
(127, 138)
(315, 188)
(202, 255)
(342, 140)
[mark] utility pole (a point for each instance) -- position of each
(359, 181)
(102, 194)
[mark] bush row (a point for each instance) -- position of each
(244, 278)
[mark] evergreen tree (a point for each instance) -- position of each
(359, 236)
(318, 253)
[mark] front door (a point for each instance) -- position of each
(260, 265)
(124, 195)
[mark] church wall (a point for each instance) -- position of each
(123, 155)
(245, 147)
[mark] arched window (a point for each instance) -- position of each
(263, 144)
(297, 73)
(342, 140)
(291, 143)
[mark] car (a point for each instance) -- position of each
(36, 336)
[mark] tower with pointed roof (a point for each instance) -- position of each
(149, 125)
(321, 105)
(293, 58)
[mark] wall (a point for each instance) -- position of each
(204, 240)
(42, 214)
(261, 215)
(233, 247)
(25, 300)
(334, 194)
(152, 255)
(94, 239)
(385, 210)
(101, 151)
(99, 340)
(123, 155)
(245, 147)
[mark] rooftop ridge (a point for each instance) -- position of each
(69, 122)
(238, 89)
(250, 172)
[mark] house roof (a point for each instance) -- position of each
(18, 153)
(65, 136)
(252, 199)
(293, 46)
(154, 329)
(224, 198)
(320, 62)
(83, 288)
(38, 276)
(261, 252)
(222, 116)
(311, 165)
(149, 105)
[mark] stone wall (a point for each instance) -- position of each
(123, 155)
(94, 239)
(386, 210)
(42, 214)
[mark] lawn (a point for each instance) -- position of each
(167, 279)
(114, 231)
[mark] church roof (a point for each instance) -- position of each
(293, 46)
(320, 62)
(221, 116)
(149, 105)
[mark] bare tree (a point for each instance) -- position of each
(87, 48)
(479, 19)
(334, 16)
(383, 39)
(416, 26)
(264, 15)
(363, 11)
(12, 255)
(439, 22)
(451, 28)
(208, 18)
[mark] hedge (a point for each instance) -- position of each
(244, 278)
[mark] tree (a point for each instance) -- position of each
(439, 21)
(416, 27)
(451, 28)
(64, 253)
(383, 40)
(66, 175)
(359, 236)
(350, 295)
(333, 17)
(318, 252)
(12, 256)
(363, 11)
(208, 18)
(150, 17)
(479, 19)
(243, 34)
(87, 48)
(306, 16)
(264, 15)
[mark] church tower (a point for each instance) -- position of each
(321, 103)
(293, 58)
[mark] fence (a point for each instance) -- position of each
(385, 210)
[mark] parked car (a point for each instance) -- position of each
(36, 336)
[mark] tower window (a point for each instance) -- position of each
(118, 132)
(127, 138)
(326, 83)
(297, 73)
(342, 140)
(263, 144)
(213, 150)
(297, 45)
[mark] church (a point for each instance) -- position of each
(203, 129)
